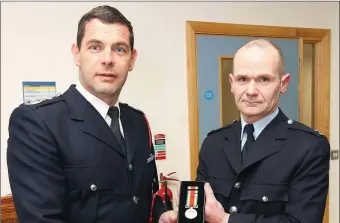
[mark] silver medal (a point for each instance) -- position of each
(191, 213)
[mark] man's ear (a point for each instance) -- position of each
(284, 83)
(75, 53)
(133, 59)
(231, 81)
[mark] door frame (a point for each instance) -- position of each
(220, 84)
(321, 86)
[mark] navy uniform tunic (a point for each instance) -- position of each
(284, 178)
(65, 165)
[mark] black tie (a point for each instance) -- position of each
(249, 129)
(114, 114)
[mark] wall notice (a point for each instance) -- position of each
(38, 91)
(160, 147)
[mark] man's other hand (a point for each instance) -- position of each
(168, 217)
(214, 211)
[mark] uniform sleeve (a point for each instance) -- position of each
(157, 206)
(307, 194)
(201, 169)
(34, 168)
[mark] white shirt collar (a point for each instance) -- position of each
(97, 103)
(260, 124)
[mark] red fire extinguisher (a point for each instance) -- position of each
(164, 192)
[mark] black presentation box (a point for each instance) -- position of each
(191, 202)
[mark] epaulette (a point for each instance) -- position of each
(34, 104)
(300, 126)
(135, 109)
(224, 127)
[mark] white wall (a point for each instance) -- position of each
(36, 40)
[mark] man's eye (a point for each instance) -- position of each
(120, 50)
(265, 79)
(242, 79)
(94, 47)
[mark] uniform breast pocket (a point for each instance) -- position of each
(267, 199)
(85, 186)
(221, 190)
(90, 178)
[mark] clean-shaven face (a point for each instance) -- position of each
(256, 82)
(105, 58)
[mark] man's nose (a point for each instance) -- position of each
(108, 58)
(252, 90)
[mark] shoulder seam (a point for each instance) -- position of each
(45, 102)
(304, 128)
(134, 109)
(219, 129)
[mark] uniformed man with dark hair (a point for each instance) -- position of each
(85, 157)
(265, 167)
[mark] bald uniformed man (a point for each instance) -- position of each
(265, 167)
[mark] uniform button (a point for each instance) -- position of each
(290, 121)
(93, 187)
(237, 185)
(130, 167)
(264, 198)
(135, 199)
(233, 210)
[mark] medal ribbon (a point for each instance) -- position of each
(192, 197)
